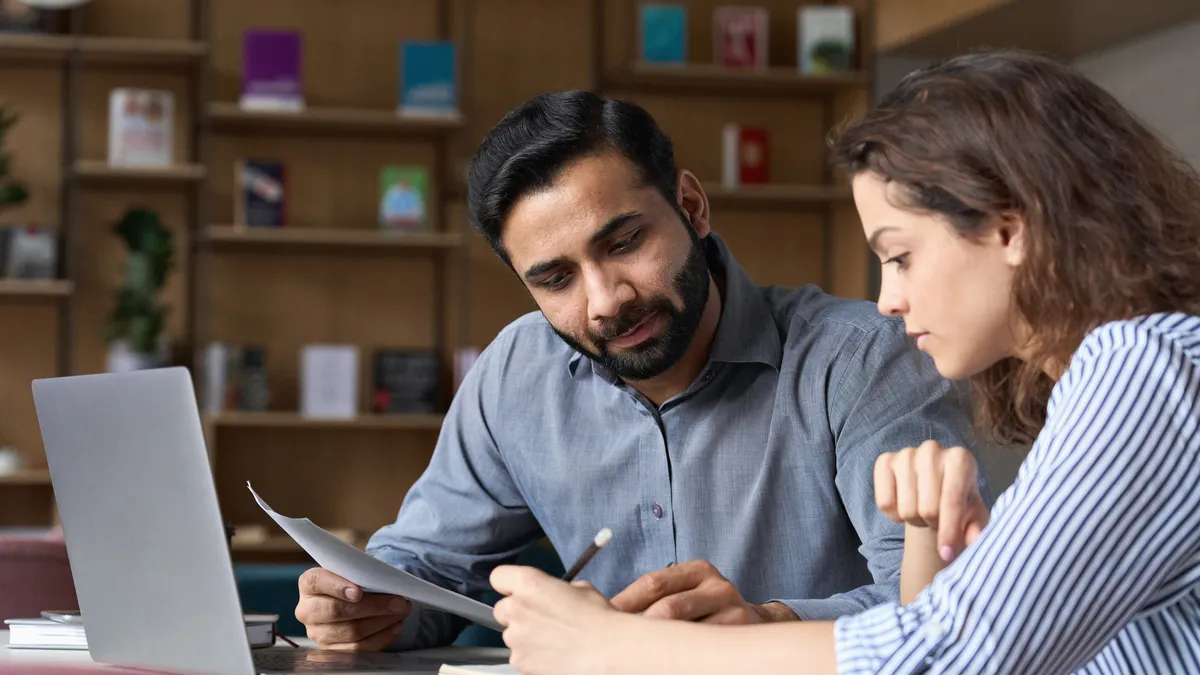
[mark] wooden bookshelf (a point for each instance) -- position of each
(26, 477)
(235, 236)
(772, 196)
(231, 117)
(294, 420)
(699, 78)
(99, 171)
(140, 51)
(35, 288)
(936, 30)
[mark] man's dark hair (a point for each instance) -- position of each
(535, 141)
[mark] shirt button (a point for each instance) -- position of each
(658, 510)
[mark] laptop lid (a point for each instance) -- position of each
(144, 533)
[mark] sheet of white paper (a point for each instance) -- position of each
(374, 575)
(503, 669)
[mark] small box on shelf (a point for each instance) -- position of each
(29, 252)
(140, 127)
(663, 33)
(329, 381)
(428, 84)
(260, 189)
(745, 156)
(825, 39)
(272, 67)
(740, 37)
(403, 198)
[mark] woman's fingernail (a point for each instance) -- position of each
(947, 553)
(350, 593)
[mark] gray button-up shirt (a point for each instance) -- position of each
(763, 466)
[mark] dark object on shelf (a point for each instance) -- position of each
(404, 381)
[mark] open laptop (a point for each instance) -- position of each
(145, 537)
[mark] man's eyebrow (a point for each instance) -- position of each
(541, 268)
(615, 223)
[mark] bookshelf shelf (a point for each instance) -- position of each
(98, 171)
(699, 78)
(231, 117)
(26, 477)
(35, 288)
(236, 236)
(114, 50)
(292, 420)
(776, 195)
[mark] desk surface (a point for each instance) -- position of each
(78, 656)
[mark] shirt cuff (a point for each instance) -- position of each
(887, 638)
(411, 627)
(823, 609)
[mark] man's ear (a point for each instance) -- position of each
(693, 202)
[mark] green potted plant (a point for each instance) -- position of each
(12, 192)
(134, 328)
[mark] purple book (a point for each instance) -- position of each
(271, 70)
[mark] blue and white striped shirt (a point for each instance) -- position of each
(1091, 561)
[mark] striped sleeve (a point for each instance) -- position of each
(1105, 513)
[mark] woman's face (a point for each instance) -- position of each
(954, 293)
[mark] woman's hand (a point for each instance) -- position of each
(551, 627)
(935, 488)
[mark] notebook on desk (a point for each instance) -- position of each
(43, 633)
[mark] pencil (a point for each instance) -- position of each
(598, 543)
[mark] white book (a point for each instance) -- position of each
(329, 381)
(825, 39)
(140, 127)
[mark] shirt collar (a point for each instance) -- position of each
(746, 332)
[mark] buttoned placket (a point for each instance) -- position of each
(659, 502)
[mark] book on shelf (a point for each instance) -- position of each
(28, 252)
(663, 33)
(272, 67)
(261, 190)
(329, 381)
(825, 38)
(43, 633)
(404, 381)
(140, 127)
(745, 156)
(403, 198)
(740, 36)
(234, 378)
(428, 79)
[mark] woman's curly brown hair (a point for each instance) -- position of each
(1112, 214)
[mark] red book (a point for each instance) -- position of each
(740, 37)
(746, 158)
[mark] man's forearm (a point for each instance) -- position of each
(843, 604)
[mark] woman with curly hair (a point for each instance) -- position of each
(1038, 240)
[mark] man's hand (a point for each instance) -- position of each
(339, 615)
(694, 591)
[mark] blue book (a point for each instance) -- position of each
(664, 33)
(427, 78)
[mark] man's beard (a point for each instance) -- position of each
(654, 356)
